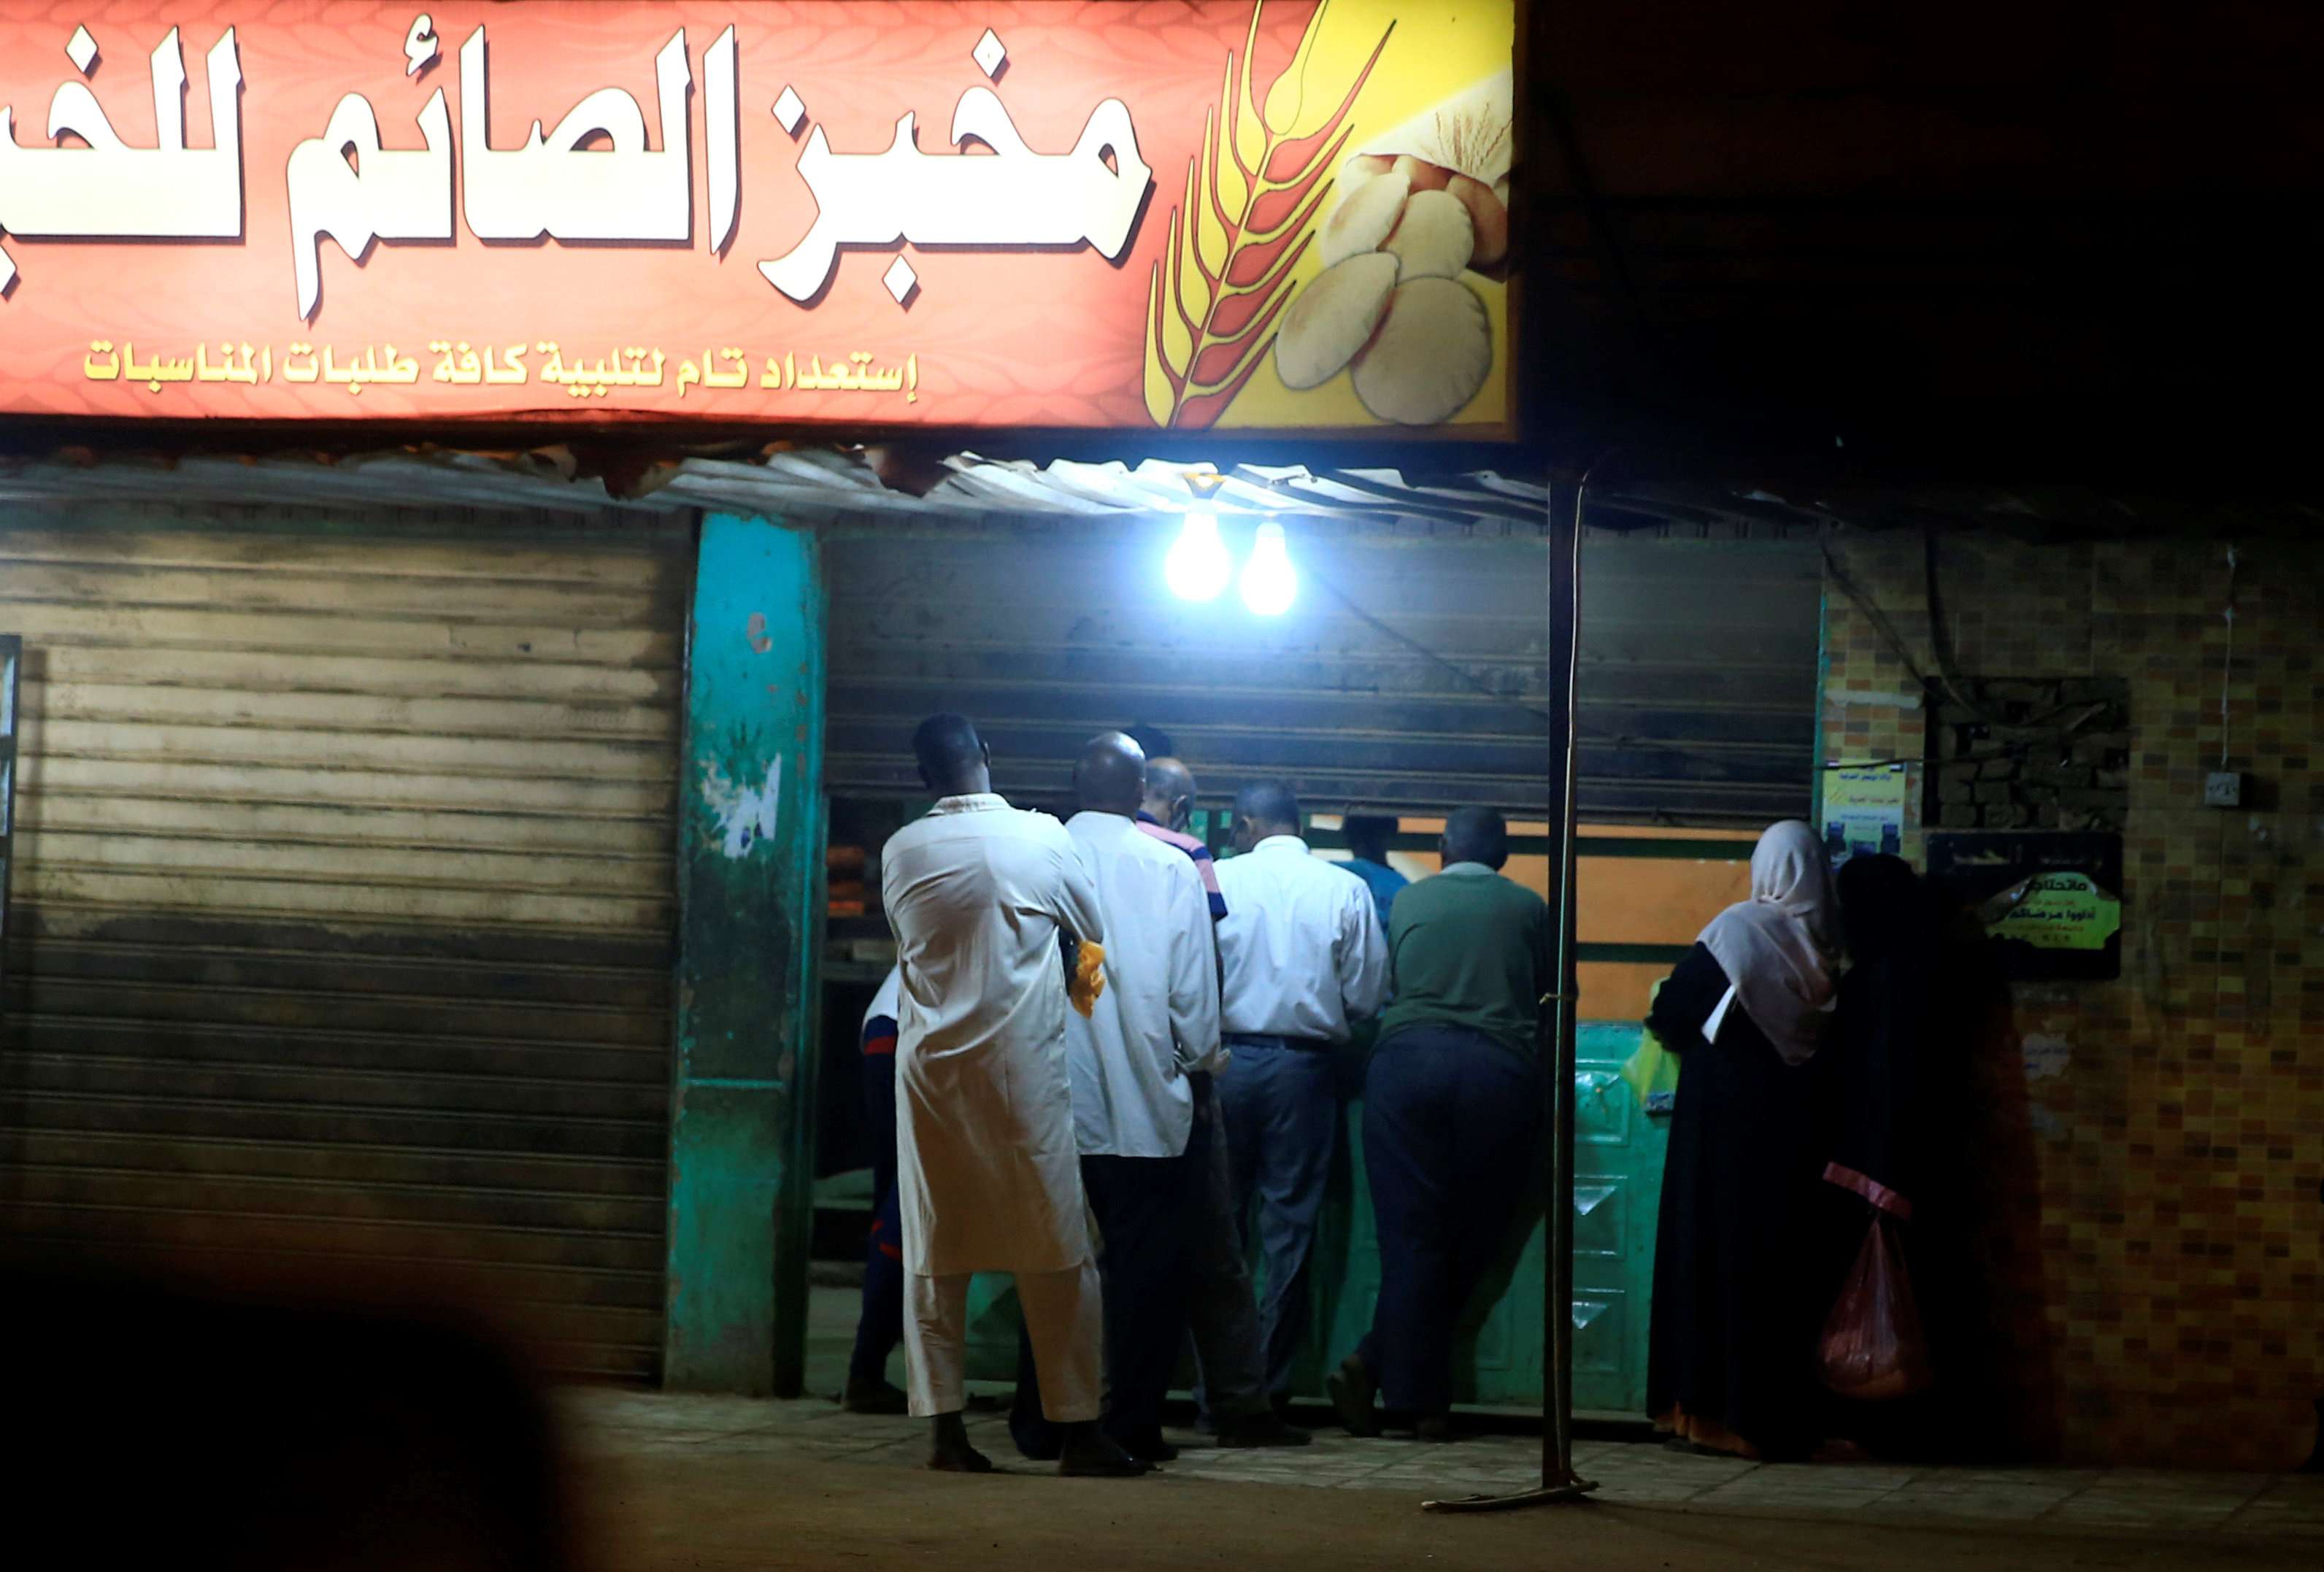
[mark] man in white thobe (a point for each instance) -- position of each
(979, 894)
(1155, 1024)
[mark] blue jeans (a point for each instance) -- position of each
(1451, 1127)
(880, 1323)
(1282, 1119)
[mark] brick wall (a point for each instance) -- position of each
(2156, 1142)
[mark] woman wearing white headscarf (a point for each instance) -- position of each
(1740, 1288)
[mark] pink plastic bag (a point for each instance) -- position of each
(1873, 1346)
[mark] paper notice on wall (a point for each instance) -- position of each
(1864, 810)
(2057, 911)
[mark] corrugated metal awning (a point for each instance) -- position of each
(842, 486)
(1411, 676)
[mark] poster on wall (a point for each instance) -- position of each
(2051, 901)
(1228, 215)
(1863, 810)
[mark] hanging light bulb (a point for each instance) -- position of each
(1270, 582)
(1198, 566)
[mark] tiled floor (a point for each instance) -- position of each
(1638, 1473)
(621, 1422)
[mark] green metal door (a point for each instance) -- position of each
(1618, 1189)
(1498, 1359)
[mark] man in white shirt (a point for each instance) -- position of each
(1156, 1023)
(978, 894)
(1222, 1311)
(1304, 958)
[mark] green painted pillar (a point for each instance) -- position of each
(750, 888)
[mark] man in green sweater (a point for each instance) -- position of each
(1451, 1111)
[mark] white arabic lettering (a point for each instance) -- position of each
(596, 177)
(109, 190)
(383, 195)
(722, 128)
(420, 45)
(1017, 198)
(555, 185)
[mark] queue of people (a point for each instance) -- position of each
(1114, 1069)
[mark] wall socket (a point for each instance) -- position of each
(2223, 789)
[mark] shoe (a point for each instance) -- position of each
(1263, 1428)
(875, 1397)
(1435, 1428)
(1352, 1389)
(961, 1459)
(1686, 1449)
(950, 1452)
(1090, 1453)
(1150, 1448)
(1039, 1443)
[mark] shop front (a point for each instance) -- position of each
(420, 857)
(1406, 681)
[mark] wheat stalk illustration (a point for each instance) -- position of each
(1248, 215)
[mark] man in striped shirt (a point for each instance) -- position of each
(1169, 808)
(1221, 1311)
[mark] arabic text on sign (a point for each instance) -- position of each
(346, 184)
(460, 363)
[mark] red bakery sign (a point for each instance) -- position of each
(1229, 214)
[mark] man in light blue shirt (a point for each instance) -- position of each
(1368, 835)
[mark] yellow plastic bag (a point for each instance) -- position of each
(1087, 983)
(1651, 1071)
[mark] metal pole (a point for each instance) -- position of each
(1564, 655)
(1558, 1480)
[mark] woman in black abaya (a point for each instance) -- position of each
(1740, 1285)
(1901, 1139)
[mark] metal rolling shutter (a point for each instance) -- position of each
(1410, 674)
(344, 903)
(1697, 700)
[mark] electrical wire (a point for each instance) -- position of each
(1956, 687)
(1949, 681)
(1453, 668)
(1940, 635)
(2227, 683)
(1873, 614)
(2227, 665)
(1458, 671)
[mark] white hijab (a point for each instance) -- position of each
(1781, 948)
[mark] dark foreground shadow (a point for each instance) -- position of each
(274, 1428)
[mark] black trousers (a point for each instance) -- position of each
(880, 1323)
(1450, 1122)
(1140, 1206)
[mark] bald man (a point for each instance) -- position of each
(1167, 809)
(978, 894)
(1154, 1026)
